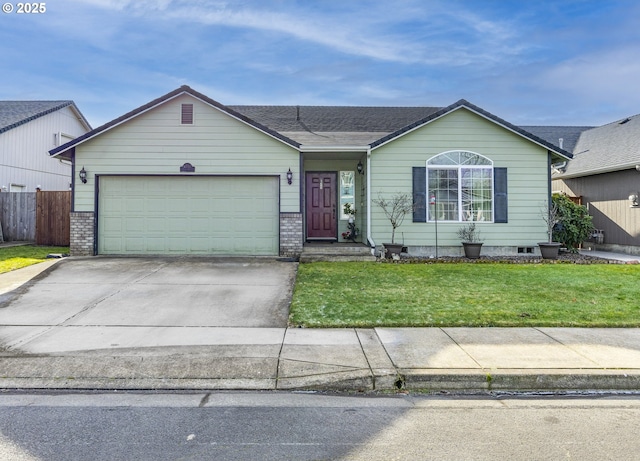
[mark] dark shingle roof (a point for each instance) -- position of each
(335, 118)
(611, 147)
(553, 134)
(323, 126)
(16, 113)
(334, 125)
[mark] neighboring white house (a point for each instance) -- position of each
(28, 130)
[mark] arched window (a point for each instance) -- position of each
(460, 187)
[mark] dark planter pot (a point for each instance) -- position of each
(392, 248)
(549, 250)
(472, 249)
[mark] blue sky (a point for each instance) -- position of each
(542, 62)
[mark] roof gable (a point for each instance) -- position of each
(481, 112)
(161, 100)
(16, 113)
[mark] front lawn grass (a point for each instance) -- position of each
(12, 258)
(354, 294)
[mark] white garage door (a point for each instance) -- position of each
(188, 215)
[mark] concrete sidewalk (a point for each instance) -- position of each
(430, 359)
(465, 360)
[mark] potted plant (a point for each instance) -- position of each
(471, 241)
(395, 209)
(551, 216)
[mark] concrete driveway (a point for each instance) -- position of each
(134, 295)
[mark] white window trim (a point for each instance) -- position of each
(343, 216)
(458, 167)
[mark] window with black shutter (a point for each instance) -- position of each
(460, 186)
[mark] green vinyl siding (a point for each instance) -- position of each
(188, 215)
(155, 142)
(392, 168)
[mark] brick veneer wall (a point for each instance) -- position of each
(291, 235)
(82, 233)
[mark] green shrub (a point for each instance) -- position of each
(575, 224)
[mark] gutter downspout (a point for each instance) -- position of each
(369, 238)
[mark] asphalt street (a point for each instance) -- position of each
(315, 426)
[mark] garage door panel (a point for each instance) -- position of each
(188, 215)
(199, 226)
(199, 245)
(133, 245)
(113, 245)
(155, 244)
(133, 205)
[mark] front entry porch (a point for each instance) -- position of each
(334, 202)
(335, 251)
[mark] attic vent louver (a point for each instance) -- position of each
(187, 114)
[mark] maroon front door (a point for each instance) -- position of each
(321, 206)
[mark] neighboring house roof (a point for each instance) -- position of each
(16, 113)
(324, 126)
(554, 134)
(611, 147)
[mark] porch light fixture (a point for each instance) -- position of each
(634, 199)
(289, 176)
(360, 167)
(83, 175)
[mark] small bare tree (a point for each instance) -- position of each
(551, 216)
(395, 209)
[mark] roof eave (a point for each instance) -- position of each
(595, 171)
(81, 118)
(343, 148)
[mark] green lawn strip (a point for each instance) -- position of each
(353, 294)
(12, 258)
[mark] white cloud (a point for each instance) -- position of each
(602, 80)
(368, 29)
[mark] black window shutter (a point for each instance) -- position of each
(419, 194)
(500, 199)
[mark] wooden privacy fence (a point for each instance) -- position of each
(18, 216)
(40, 217)
(53, 215)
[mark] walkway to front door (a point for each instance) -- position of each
(321, 205)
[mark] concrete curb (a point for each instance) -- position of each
(199, 372)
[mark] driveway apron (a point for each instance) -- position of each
(139, 293)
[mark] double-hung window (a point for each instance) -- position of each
(460, 187)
